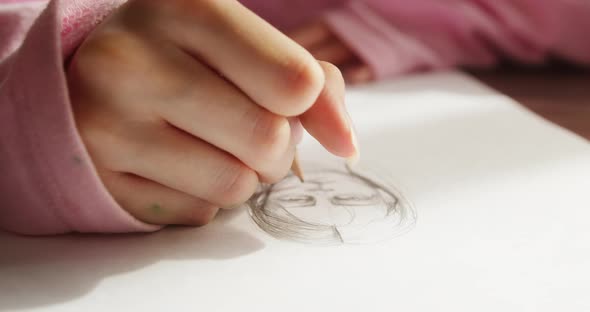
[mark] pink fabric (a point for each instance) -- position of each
(398, 36)
(47, 181)
(395, 37)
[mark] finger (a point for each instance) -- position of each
(182, 162)
(220, 114)
(327, 120)
(333, 51)
(358, 74)
(154, 203)
(270, 68)
(311, 34)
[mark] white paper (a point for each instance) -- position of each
(502, 223)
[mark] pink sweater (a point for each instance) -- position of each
(48, 183)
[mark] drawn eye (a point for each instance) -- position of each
(354, 200)
(297, 200)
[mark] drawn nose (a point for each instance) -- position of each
(334, 214)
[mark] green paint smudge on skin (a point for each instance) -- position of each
(156, 209)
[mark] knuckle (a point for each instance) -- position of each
(276, 171)
(204, 12)
(270, 136)
(204, 4)
(104, 56)
(200, 215)
(332, 72)
(279, 173)
(234, 184)
(304, 82)
(103, 144)
(334, 80)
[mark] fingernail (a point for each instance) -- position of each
(354, 158)
(296, 130)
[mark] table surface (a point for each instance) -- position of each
(560, 95)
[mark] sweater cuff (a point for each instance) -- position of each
(49, 184)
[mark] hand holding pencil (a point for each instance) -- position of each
(175, 136)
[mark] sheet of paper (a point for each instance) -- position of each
(475, 205)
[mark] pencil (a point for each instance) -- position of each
(296, 168)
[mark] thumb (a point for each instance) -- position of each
(328, 121)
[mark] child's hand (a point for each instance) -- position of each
(183, 106)
(317, 38)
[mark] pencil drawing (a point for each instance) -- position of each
(332, 206)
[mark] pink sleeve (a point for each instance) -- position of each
(398, 36)
(48, 183)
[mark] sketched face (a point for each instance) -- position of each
(331, 198)
(331, 206)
